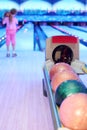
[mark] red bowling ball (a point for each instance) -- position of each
(59, 67)
(62, 76)
(73, 112)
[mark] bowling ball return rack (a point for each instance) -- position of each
(55, 44)
(47, 92)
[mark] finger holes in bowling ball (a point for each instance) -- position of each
(62, 53)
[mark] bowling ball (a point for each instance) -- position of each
(59, 67)
(68, 88)
(6, 14)
(73, 112)
(62, 76)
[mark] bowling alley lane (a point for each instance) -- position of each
(49, 31)
(2, 32)
(75, 32)
(22, 105)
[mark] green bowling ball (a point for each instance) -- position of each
(68, 88)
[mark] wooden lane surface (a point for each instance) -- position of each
(22, 104)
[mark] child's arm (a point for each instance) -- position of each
(4, 20)
(6, 14)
